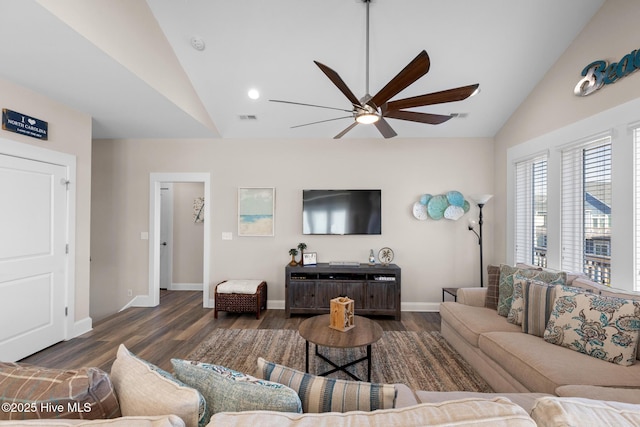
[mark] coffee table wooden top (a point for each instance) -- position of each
(316, 330)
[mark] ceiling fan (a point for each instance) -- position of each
(374, 109)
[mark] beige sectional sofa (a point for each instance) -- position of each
(512, 361)
(536, 384)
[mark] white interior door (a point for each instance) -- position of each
(33, 263)
(166, 235)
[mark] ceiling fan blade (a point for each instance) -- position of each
(412, 72)
(385, 129)
(340, 84)
(341, 134)
(450, 95)
(309, 105)
(321, 121)
(414, 116)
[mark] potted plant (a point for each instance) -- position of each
(293, 252)
(302, 247)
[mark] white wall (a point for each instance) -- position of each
(552, 107)
(431, 254)
(188, 236)
(69, 132)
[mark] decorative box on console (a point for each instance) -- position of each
(241, 296)
(341, 314)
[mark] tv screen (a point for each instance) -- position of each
(341, 211)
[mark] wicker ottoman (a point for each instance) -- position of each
(241, 296)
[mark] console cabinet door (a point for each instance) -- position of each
(326, 291)
(355, 291)
(382, 295)
(302, 294)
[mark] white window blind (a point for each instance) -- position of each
(586, 209)
(531, 211)
(636, 144)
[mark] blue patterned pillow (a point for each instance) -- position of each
(320, 394)
(603, 327)
(227, 390)
(506, 283)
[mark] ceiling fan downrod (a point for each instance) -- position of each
(366, 79)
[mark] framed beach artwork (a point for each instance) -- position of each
(256, 211)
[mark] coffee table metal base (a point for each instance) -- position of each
(337, 367)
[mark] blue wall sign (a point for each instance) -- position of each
(25, 125)
(599, 73)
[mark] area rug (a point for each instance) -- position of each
(421, 360)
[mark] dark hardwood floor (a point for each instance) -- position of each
(175, 328)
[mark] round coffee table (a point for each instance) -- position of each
(316, 330)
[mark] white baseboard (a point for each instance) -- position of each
(186, 287)
(81, 327)
(420, 306)
(139, 301)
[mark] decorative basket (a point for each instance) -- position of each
(342, 314)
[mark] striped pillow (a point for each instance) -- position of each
(538, 298)
(320, 394)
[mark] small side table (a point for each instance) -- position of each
(450, 291)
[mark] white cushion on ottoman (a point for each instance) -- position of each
(239, 287)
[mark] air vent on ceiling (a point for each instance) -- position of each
(248, 117)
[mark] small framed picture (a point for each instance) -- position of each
(309, 258)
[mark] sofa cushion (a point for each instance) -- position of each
(603, 327)
(470, 322)
(507, 273)
(493, 285)
(565, 411)
(144, 390)
(229, 390)
(467, 412)
(148, 421)
(524, 400)
(320, 394)
(542, 367)
(28, 392)
(618, 394)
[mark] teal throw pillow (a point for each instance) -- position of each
(227, 390)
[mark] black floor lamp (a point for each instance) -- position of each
(480, 200)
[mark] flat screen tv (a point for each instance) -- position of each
(341, 212)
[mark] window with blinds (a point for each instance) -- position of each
(586, 209)
(636, 144)
(531, 211)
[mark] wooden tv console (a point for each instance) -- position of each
(375, 289)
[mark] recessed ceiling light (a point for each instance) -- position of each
(253, 93)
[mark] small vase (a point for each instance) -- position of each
(301, 262)
(293, 262)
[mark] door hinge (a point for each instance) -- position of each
(66, 249)
(66, 311)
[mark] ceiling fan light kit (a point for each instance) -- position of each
(374, 109)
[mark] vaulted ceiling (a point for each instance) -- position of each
(131, 65)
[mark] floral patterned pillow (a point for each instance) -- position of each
(600, 326)
(507, 275)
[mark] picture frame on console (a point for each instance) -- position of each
(256, 211)
(309, 259)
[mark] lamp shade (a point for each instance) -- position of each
(481, 199)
